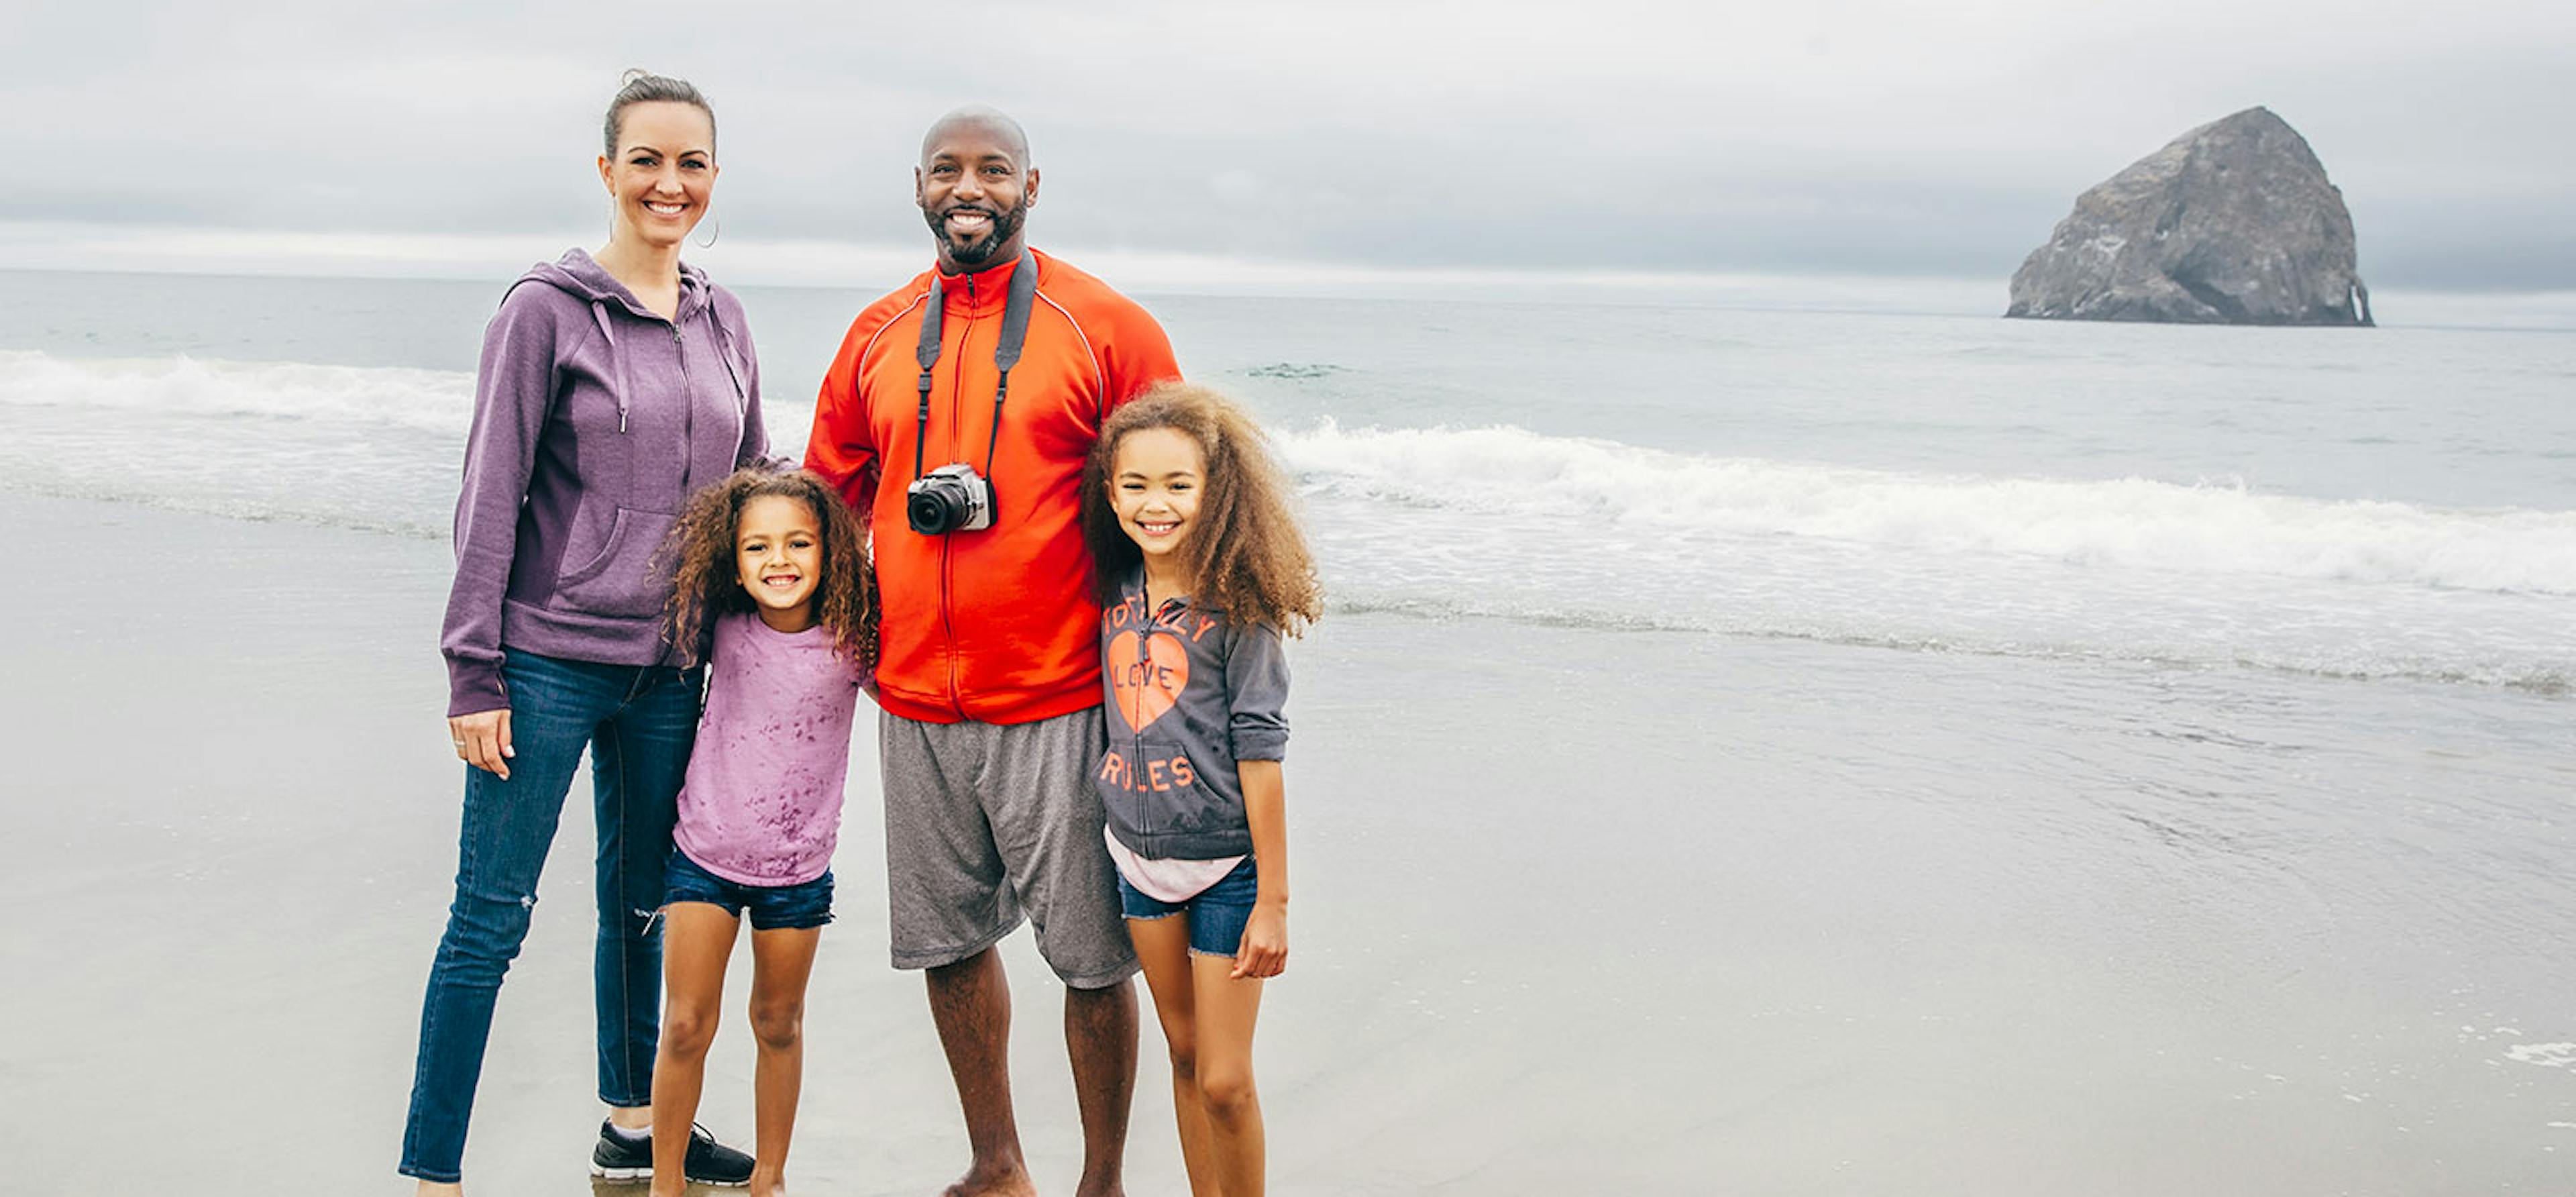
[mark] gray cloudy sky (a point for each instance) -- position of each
(1839, 136)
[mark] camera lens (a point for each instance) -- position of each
(930, 511)
(948, 499)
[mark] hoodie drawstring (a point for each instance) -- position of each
(625, 383)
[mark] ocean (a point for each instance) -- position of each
(1748, 751)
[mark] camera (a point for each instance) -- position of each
(952, 498)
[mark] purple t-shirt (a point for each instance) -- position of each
(762, 802)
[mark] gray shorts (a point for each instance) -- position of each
(984, 821)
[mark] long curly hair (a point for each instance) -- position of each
(706, 582)
(1247, 557)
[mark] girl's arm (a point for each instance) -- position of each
(1256, 680)
(1264, 952)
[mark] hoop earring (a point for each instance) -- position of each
(718, 231)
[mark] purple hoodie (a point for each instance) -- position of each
(594, 420)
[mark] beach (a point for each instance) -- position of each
(1916, 601)
(1577, 910)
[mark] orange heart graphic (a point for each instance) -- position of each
(1147, 673)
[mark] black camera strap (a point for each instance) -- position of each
(1006, 354)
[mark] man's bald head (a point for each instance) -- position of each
(977, 118)
(975, 186)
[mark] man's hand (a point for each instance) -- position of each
(483, 740)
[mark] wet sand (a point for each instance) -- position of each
(1577, 911)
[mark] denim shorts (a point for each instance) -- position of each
(1217, 914)
(808, 904)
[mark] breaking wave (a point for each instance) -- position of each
(2131, 522)
(427, 400)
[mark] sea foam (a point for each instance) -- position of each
(2128, 522)
(428, 400)
(1511, 474)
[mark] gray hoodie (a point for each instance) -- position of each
(1189, 694)
(594, 420)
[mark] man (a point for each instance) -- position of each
(989, 670)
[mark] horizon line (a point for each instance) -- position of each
(101, 247)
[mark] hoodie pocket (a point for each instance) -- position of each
(622, 579)
(1177, 797)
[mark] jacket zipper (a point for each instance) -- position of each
(947, 556)
(1136, 735)
(1145, 627)
(688, 407)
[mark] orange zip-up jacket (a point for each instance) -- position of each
(999, 625)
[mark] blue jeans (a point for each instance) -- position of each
(638, 723)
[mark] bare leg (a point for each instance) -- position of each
(697, 939)
(782, 961)
(433, 1188)
(1163, 946)
(970, 1003)
(1226, 1010)
(1100, 1038)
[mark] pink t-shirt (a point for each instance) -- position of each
(762, 801)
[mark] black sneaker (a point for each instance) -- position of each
(708, 1163)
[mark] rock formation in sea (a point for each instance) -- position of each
(2230, 223)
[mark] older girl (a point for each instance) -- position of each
(1202, 568)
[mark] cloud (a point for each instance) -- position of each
(1843, 135)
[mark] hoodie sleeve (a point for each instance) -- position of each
(1256, 693)
(514, 392)
(755, 430)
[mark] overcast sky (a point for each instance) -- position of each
(1823, 136)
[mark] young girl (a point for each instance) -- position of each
(772, 589)
(1201, 569)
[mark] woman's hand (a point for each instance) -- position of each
(483, 740)
(1264, 950)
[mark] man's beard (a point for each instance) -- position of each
(1005, 225)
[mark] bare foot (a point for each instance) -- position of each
(1003, 1180)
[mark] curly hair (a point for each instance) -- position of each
(706, 582)
(1247, 557)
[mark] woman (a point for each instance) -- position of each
(611, 387)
